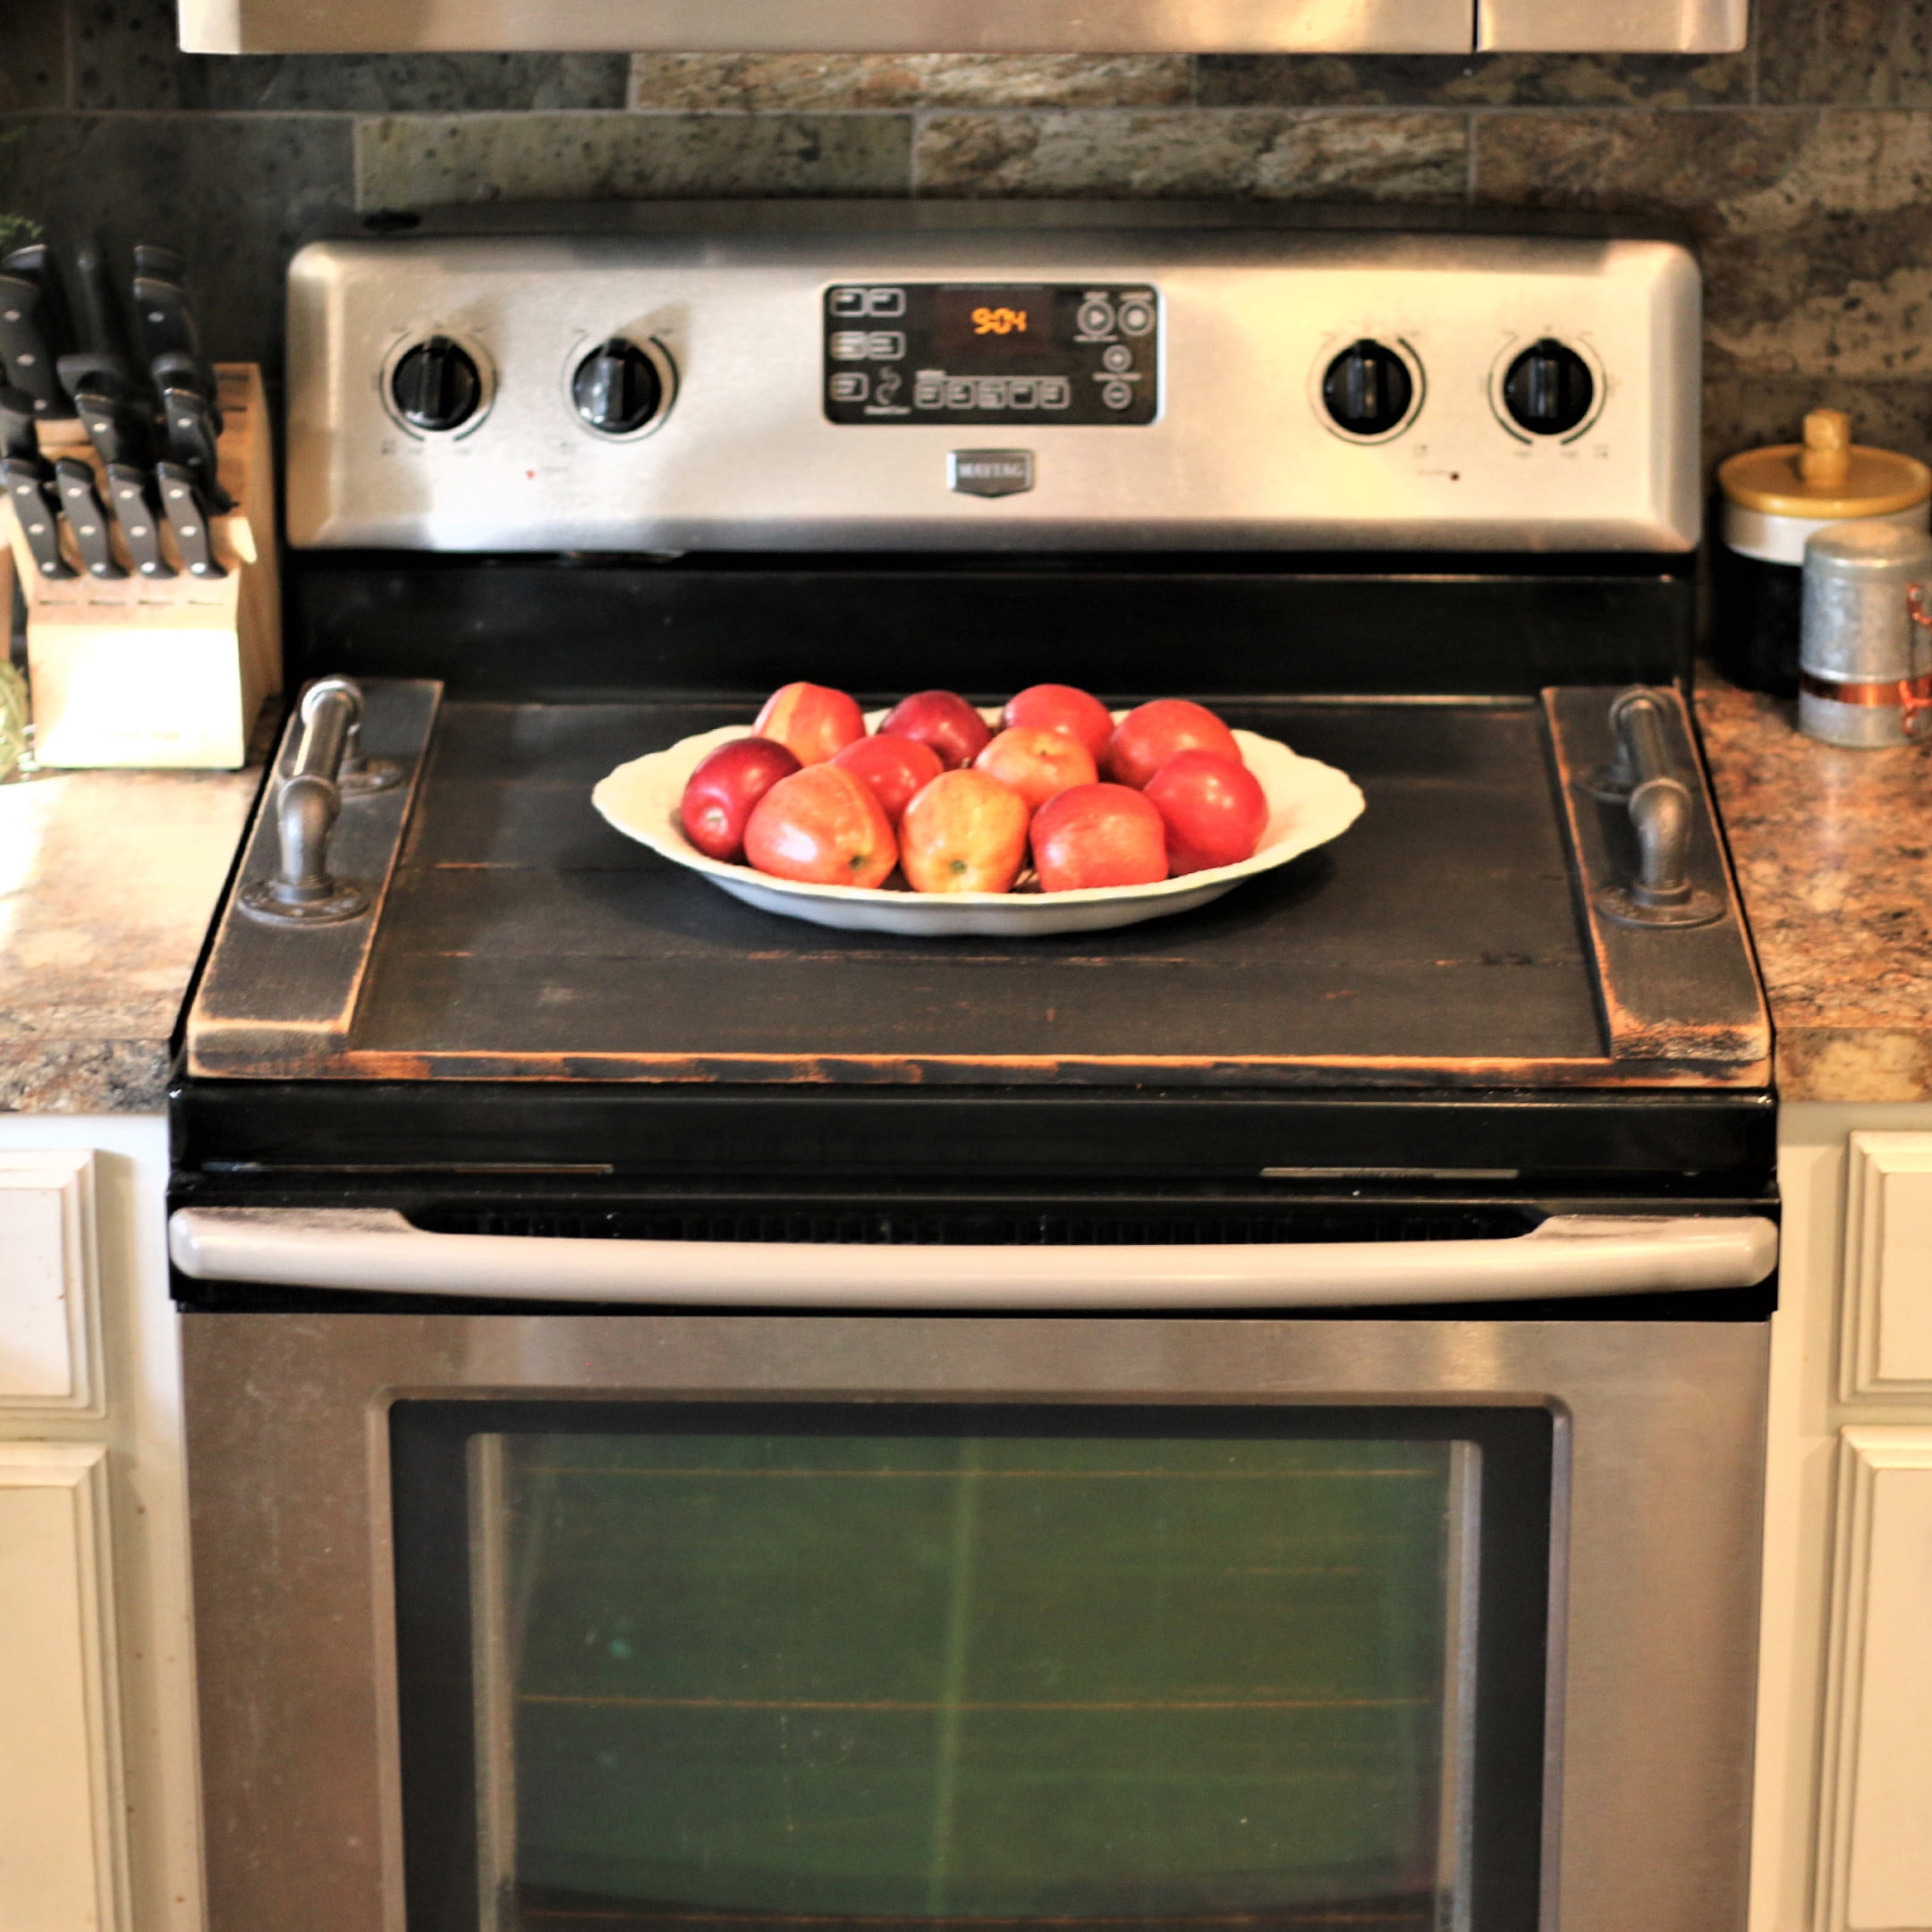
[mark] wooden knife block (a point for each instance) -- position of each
(171, 673)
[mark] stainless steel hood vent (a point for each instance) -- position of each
(963, 26)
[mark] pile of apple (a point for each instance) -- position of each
(957, 806)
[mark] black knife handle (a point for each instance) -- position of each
(17, 436)
(35, 262)
(150, 259)
(89, 369)
(24, 350)
(191, 442)
(74, 480)
(187, 517)
(38, 513)
(164, 324)
(139, 513)
(98, 312)
(181, 371)
(118, 429)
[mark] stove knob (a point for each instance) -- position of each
(436, 386)
(1549, 388)
(1368, 388)
(617, 387)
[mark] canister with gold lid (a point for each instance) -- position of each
(1774, 499)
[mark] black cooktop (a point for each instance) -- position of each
(1442, 926)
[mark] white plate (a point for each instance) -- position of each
(1309, 804)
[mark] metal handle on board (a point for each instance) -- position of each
(308, 800)
(1661, 815)
(375, 1250)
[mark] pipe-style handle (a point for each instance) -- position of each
(307, 805)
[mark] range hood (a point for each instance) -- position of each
(963, 26)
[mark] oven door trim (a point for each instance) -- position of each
(1653, 1564)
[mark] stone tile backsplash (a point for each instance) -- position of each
(1801, 169)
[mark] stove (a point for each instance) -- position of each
(493, 1130)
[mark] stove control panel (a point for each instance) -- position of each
(699, 378)
(975, 354)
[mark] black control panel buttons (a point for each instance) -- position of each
(617, 388)
(974, 354)
(1367, 390)
(437, 385)
(1096, 316)
(1548, 389)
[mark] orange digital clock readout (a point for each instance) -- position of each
(1000, 321)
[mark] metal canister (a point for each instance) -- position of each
(1865, 652)
(1773, 500)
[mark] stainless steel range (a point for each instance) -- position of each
(1250, 1420)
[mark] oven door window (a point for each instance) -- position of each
(818, 1668)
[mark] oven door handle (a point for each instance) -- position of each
(376, 1250)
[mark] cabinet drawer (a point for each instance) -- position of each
(1875, 1867)
(1884, 1346)
(49, 1307)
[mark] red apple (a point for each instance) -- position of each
(896, 768)
(1063, 707)
(1214, 810)
(1151, 733)
(811, 722)
(964, 832)
(1099, 834)
(824, 826)
(942, 719)
(721, 793)
(1036, 762)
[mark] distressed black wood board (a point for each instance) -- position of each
(1441, 926)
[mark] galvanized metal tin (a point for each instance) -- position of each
(1865, 653)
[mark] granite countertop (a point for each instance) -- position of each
(1833, 855)
(108, 880)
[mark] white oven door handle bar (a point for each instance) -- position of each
(376, 1250)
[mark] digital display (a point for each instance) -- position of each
(973, 354)
(1006, 331)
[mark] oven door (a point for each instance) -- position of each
(601, 1620)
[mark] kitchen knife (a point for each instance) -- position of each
(37, 512)
(36, 263)
(96, 313)
(187, 517)
(93, 368)
(150, 259)
(26, 350)
(163, 323)
(17, 437)
(137, 511)
(190, 434)
(86, 517)
(119, 427)
(181, 369)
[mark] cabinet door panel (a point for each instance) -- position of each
(62, 1867)
(1876, 1868)
(49, 1313)
(1885, 1340)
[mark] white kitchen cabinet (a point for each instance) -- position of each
(1843, 1831)
(99, 1810)
(1887, 1316)
(63, 1839)
(50, 1299)
(1875, 1847)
